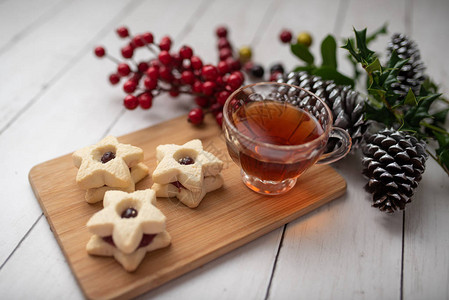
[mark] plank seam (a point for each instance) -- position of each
(52, 11)
(199, 12)
(266, 20)
(401, 286)
(72, 62)
(281, 242)
(21, 240)
(341, 15)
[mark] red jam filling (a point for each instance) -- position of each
(145, 241)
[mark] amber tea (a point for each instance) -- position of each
(276, 123)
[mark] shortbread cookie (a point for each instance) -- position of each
(138, 172)
(126, 218)
(188, 198)
(187, 164)
(106, 163)
(130, 262)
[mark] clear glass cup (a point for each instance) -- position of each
(276, 131)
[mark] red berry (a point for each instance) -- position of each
(196, 116)
(131, 102)
(196, 62)
(202, 101)
(209, 72)
(153, 72)
(145, 100)
(221, 32)
(138, 40)
(186, 52)
(225, 53)
(208, 88)
(149, 83)
(235, 81)
(155, 63)
(188, 77)
(165, 73)
(165, 57)
(285, 36)
(127, 51)
(223, 43)
(135, 77)
(143, 66)
(222, 97)
(123, 69)
(100, 51)
(216, 108)
(165, 43)
(177, 59)
(129, 86)
(219, 82)
(223, 67)
(148, 37)
(174, 92)
(122, 32)
(197, 87)
(219, 118)
(234, 64)
(114, 78)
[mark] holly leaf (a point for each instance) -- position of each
(410, 99)
(379, 114)
(350, 47)
(374, 66)
(441, 116)
(302, 52)
(360, 37)
(329, 52)
(329, 73)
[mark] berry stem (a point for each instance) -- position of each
(113, 59)
(151, 49)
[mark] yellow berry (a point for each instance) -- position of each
(304, 38)
(245, 53)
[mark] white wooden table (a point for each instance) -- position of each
(55, 98)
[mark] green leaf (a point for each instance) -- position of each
(441, 116)
(329, 52)
(349, 46)
(302, 52)
(382, 115)
(374, 66)
(410, 99)
(360, 37)
(329, 73)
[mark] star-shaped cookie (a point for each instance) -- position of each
(187, 164)
(106, 163)
(189, 198)
(97, 246)
(138, 172)
(126, 217)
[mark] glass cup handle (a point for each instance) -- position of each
(341, 151)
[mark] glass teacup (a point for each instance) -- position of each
(276, 131)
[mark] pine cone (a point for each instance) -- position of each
(393, 163)
(411, 75)
(346, 105)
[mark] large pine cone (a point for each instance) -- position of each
(411, 75)
(393, 163)
(346, 104)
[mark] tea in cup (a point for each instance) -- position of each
(275, 132)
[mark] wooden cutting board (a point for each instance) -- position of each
(226, 218)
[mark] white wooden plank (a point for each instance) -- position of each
(20, 18)
(426, 239)
(43, 273)
(40, 58)
(347, 249)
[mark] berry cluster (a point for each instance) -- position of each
(303, 37)
(175, 72)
